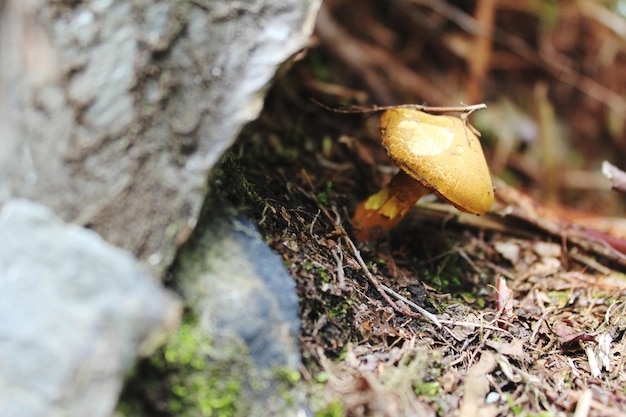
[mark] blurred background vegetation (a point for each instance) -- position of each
(552, 73)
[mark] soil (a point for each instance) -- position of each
(518, 312)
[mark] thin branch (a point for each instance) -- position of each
(383, 289)
(428, 109)
(405, 300)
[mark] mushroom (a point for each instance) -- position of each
(441, 154)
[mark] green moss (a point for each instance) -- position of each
(183, 350)
(200, 374)
(289, 376)
(323, 274)
(323, 377)
(286, 379)
(332, 409)
(447, 276)
(322, 196)
(339, 309)
(203, 379)
(427, 389)
(559, 296)
(191, 376)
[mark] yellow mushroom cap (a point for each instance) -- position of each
(442, 153)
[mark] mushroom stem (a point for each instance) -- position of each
(382, 211)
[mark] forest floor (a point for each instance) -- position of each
(517, 312)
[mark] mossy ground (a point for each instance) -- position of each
(189, 376)
(195, 375)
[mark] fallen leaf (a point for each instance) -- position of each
(568, 335)
(514, 348)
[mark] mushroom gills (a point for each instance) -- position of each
(382, 211)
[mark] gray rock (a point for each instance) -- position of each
(114, 111)
(75, 312)
(243, 296)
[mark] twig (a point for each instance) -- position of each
(381, 288)
(422, 310)
(374, 108)
(338, 255)
(314, 220)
